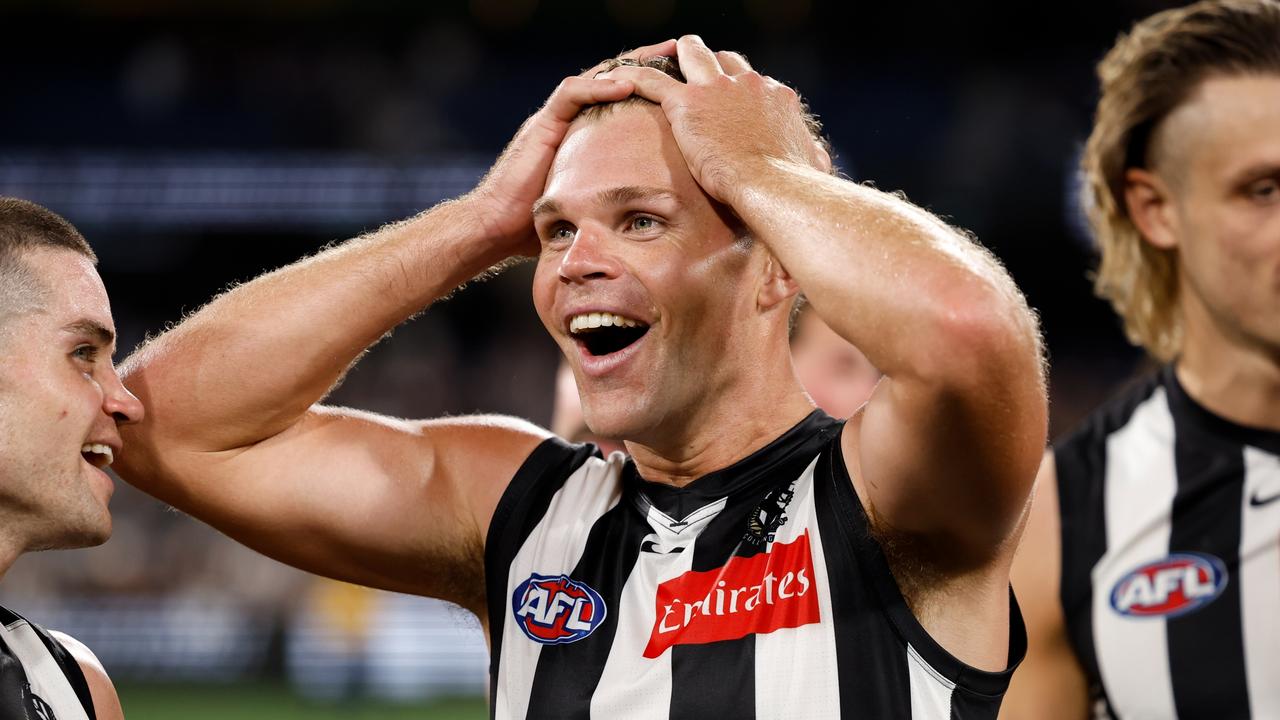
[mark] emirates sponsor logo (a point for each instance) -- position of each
(749, 595)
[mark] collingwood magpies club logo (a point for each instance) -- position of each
(37, 708)
(769, 515)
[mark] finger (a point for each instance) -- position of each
(666, 48)
(733, 63)
(575, 93)
(649, 83)
(697, 62)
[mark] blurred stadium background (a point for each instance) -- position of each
(198, 143)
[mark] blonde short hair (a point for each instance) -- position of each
(1145, 76)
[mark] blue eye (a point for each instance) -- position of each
(87, 353)
(643, 223)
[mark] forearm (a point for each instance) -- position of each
(251, 362)
(873, 265)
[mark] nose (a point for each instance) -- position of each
(119, 403)
(588, 257)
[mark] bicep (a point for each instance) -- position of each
(106, 703)
(377, 501)
(950, 464)
(1050, 682)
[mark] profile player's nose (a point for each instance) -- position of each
(119, 403)
(588, 257)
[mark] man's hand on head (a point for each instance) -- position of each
(727, 117)
(508, 191)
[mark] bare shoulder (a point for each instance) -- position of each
(106, 703)
(962, 605)
(483, 453)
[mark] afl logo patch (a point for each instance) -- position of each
(1173, 586)
(555, 610)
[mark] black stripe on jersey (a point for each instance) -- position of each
(873, 692)
(977, 692)
(521, 507)
(567, 675)
(1206, 647)
(698, 672)
(1080, 463)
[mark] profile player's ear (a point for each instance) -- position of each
(777, 287)
(1150, 206)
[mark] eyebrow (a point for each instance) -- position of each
(613, 196)
(1256, 172)
(99, 332)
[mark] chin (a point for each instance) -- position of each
(93, 530)
(614, 422)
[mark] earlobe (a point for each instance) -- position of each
(1149, 203)
(777, 286)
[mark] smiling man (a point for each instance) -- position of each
(60, 403)
(756, 558)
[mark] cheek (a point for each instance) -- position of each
(543, 290)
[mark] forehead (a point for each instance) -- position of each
(631, 145)
(74, 289)
(1229, 123)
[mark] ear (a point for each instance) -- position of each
(776, 285)
(1150, 204)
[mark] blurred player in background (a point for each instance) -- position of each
(60, 403)
(753, 556)
(1150, 570)
(834, 372)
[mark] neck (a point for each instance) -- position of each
(1230, 376)
(10, 549)
(731, 422)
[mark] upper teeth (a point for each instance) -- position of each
(98, 449)
(585, 321)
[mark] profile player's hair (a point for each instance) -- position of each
(25, 226)
(1148, 74)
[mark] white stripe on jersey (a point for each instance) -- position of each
(1141, 482)
(1260, 583)
(803, 656)
(557, 544)
(43, 672)
(626, 667)
(930, 691)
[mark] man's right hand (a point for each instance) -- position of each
(505, 196)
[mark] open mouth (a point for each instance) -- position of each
(605, 333)
(97, 455)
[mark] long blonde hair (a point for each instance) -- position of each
(1145, 76)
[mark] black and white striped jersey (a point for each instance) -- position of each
(757, 591)
(1171, 557)
(39, 680)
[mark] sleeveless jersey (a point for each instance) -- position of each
(756, 591)
(1171, 557)
(39, 680)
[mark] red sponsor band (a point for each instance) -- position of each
(757, 594)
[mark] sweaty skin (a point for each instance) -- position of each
(629, 213)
